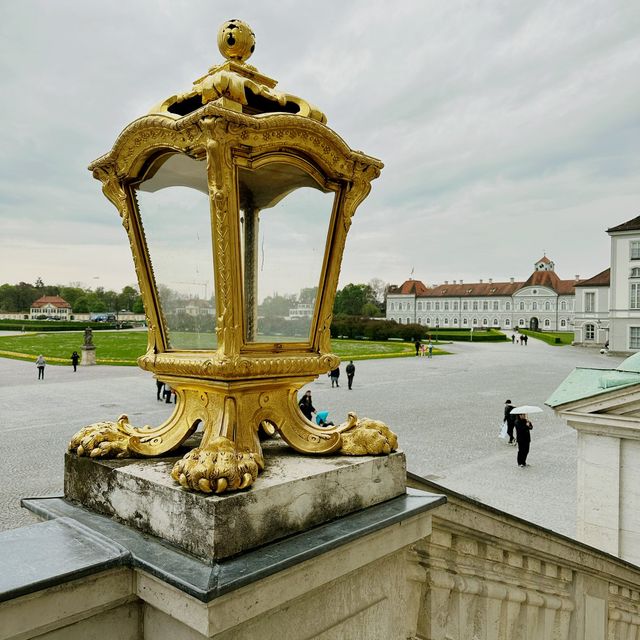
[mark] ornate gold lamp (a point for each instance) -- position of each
(194, 181)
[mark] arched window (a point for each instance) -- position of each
(464, 321)
(399, 320)
(521, 322)
(563, 305)
(475, 322)
(563, 323)
(495, 322)
(485, 322)
(547, 323)
(408, 320)
(428, 322)
(547, 306)
(446, 321)
(455, 321)
(589, 332)
(419, 320)
(507, 323)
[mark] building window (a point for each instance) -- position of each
(521, 322)
(495, 305)
(437, 306)
(446, 306)
(590, 302)
(455, 321)
(589, 332)
(485, 322)
(465, 306)
(419, 320)
(475, 322)
(446, 320)
(634, 337)
(507, 306)
(546, 323)
(634, 297)
(408, 320)
(399, 320)
(563, 305)
(507, 323)
(563, 323)
(635, 272)
(428, 322)
(522, 306)
(485, 305)
(547, 306)
(475, 305)
(635, 249)
(419, 306)
(495, 322)
(464, 321)
(428, 306)
(455, 306)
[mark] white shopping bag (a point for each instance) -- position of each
(503, 431)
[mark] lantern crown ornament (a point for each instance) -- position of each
(195, 181)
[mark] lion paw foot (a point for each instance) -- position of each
(103, 440)
(367, 437)
(216, 468)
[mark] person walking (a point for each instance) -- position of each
(525, 337)
(523, 434)
(510, 419)
(335, 375)
(40, 363)
(417, 345)
(430, 350)
(306, 405)
(159, 389)
(351, 371)
(75, 358)
(513, 338)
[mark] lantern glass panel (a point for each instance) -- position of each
(173, 203)
(285, 217)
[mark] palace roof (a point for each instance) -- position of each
(602, 279)
(409, 287)
(629, 225)
(56, 301)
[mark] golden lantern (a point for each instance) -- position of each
(195, 181)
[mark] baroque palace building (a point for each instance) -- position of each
(543, 301)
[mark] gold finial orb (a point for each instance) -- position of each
(236, 40)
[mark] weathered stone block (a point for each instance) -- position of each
(293, 494)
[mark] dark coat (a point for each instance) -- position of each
(523, 430)
(351, 369)
(306, 407)
(508, 416)
(335, 373)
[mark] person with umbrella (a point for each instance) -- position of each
(523, 431)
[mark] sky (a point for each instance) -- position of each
(508, 128)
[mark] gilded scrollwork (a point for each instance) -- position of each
(240, 385)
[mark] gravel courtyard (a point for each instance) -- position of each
(446, 411)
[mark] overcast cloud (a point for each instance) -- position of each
(507, 128)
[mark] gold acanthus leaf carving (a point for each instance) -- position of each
(364, 436)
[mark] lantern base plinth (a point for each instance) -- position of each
(293, 494)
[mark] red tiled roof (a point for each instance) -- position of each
(602, 279)
(629, 225)
(551, 280)
(544, 260)
(474, 289)
(56, 301)
(409, 287)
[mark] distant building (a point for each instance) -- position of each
(543, 301)
(301, 311)
(51, 307)
(591, 322)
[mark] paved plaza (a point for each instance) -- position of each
(446, 410)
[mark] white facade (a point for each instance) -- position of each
(591, 323)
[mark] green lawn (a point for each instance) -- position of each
(124, 347)
(554, 338)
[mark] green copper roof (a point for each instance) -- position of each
(584, 383)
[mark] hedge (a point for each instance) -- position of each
(57, 325)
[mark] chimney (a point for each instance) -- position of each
(490, 280)
(461, 282)
(577, 276)
(454, 282)
(511, 280)
(480, 280)
(446, 282)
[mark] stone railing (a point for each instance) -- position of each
(486, 574)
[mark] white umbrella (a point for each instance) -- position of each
(526, 408)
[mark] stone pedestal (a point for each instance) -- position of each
(88, 356)
(293, 494)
